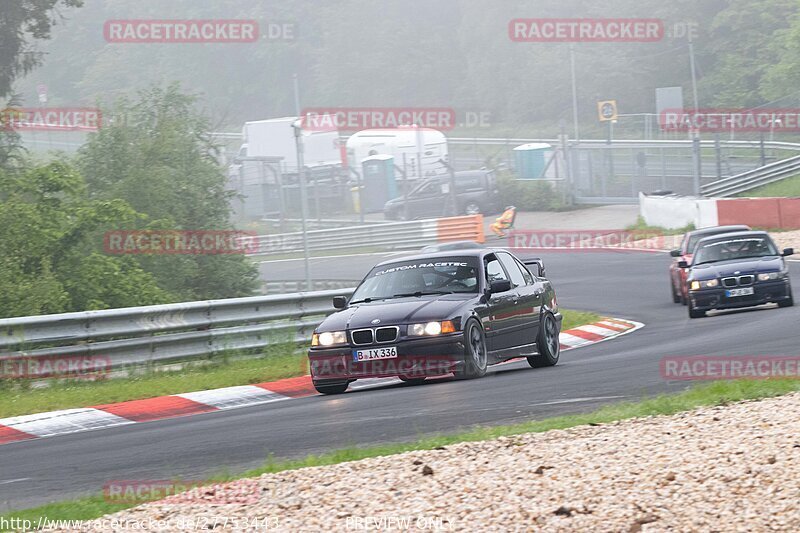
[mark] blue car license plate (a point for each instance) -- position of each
(744, 291)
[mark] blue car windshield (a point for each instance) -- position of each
(419, 277)
(738, 248)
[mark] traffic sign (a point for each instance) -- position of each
(41, 89)
(607, 110)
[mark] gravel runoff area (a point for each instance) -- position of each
(787, 239)
(728, 468)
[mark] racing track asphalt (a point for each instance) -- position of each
(625, 285)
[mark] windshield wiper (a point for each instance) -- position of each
(420, 293)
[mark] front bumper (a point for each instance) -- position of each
(426, 356)
(763, 292)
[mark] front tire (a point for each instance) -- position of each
(336, 388)
(676, 298)
(789, 302)
(476, 357)
(547, 343)
(695, 313)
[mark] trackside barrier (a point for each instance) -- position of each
(164, 333)
(679, 211)
(392, 235)
(785, 168)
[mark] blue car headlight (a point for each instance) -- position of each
(769, 276)
(704, 284)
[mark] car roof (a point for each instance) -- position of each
(733, 234)
(466, 252)
(719, 229)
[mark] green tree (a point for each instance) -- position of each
(51, 233)
(20, 19)
(154, 153)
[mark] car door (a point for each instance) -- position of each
(527, 304)
(502, 320)
(426, 201)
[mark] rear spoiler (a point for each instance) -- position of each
(538, 266)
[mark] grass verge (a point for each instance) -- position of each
(717, 393)
(788, 187)
(18, 398)
(642, 226)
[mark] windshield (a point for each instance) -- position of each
(419, 277)
(735, 249)
(694, 239)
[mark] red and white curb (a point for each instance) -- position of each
(26, 427)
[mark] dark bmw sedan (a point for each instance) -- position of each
(435, 314)
(737, 270)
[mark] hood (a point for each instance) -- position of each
(737, 267)
(395, 201)
(397, 311)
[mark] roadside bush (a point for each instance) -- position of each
(528, 195)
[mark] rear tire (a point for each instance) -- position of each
(547, 343)
(472, 208)
(476, 358)
(337, 388)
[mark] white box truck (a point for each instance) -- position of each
(275, 138)
(406, 144)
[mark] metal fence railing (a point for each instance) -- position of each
(166, 333)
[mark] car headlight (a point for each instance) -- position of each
(771, 275)
(704, 284)
(328, 338)
(431, 328)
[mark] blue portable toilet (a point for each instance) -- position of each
(379, 184)
(530, 160)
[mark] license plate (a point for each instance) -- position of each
(739, 292)
(372, 354)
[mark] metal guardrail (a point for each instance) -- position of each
(283, 287)
(165, 333)
(751, 179)
(392, 235)
(636, 143)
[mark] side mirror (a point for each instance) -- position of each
(788, 251)
(675, 253)
(339, 302)
(500, 285)
(683, 264)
